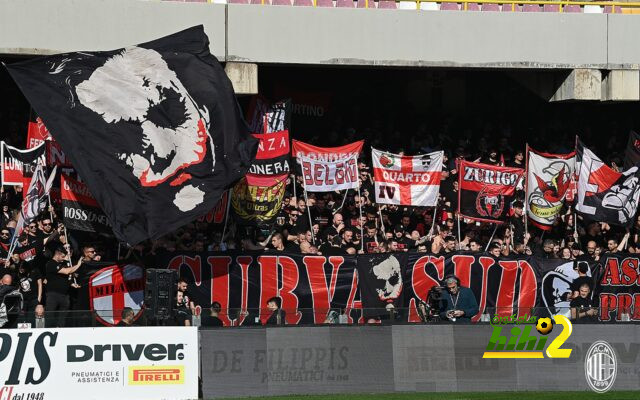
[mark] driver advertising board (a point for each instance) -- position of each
(99, 363)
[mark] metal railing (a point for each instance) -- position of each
(616, 7)
(307, 316)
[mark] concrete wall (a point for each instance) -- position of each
(303, 35)
(55, 26)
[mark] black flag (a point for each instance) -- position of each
(632, 153)
(154, 129)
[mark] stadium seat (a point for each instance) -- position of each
(238, 1)
(511, 7)
(589, 9)
(572, 8)
(281, 2)
(324, 3)
(531, 8)
(490, 7)
(407, 5)
(449, 7)
(551, 8)
(611, 10)
(388, 4)
(429, 6)
(266, 2)
(363, 4)
(303, 3)
(472, 7)
(344, 3)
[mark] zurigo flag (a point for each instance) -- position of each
(326, 176)
(548, 182)
(407, 180)
(605, 195)
(485, 192)
(154, 129)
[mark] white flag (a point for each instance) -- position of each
(325, 176)
(407, 180)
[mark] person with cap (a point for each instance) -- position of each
(459, 304)
(57, 273)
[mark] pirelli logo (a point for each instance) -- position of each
(157, 375)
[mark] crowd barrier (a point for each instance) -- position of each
(182, 363)
(399, 358)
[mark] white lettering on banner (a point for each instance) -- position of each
(416, 177)
(326, 176)
(490, 177)
(132, 363)
(325, 157)
(275, 168)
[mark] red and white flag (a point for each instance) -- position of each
(326, 153)
(326, 176)
(407, 180)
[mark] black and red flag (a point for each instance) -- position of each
(485, 192)
(632, 153)
(37, 133)
(154, 129)
(81, 211)
(605, 195)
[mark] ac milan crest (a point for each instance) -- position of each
(113, 288)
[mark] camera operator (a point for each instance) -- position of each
(429, 310)
(459, 303)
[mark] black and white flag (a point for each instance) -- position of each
(154, 129)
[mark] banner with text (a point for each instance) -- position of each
(135, 363)
(326, 176)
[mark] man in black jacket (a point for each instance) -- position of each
(277, 316)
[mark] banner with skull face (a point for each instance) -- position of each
(381, 279)
(605, 195)
(485, 192)
(154, 129)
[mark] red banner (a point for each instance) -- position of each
(326, 153)
(37, 133)
(486, 191)
(73, 190)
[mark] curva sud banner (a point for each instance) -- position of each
(89, 363)
(486, 191)
(245, 281)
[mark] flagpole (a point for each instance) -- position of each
(526, 185)
(433, 220)
(293, 181)
(306, 201)
(360, 207)
(491, 238)
(226, 217)
(381, 222)
(459, 237)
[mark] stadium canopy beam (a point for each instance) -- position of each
(243, 76)
(621, 85)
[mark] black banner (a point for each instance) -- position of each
(245, 281)
(154, 129)
(618, 288)
(80, 210)
(486, 191)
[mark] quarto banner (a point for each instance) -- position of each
(135, 363)
(407, 180)
(311, 286)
